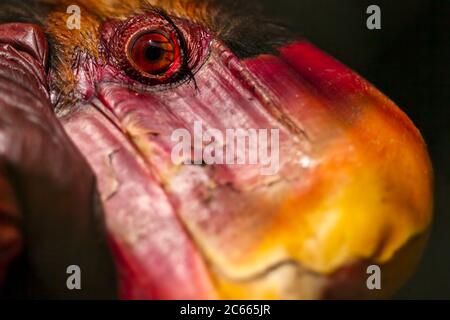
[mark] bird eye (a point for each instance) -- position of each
(154, 54)
(153, 51)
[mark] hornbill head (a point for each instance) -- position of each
(352, 186)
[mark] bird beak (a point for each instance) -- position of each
(349, 185)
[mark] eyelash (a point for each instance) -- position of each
(186, 71)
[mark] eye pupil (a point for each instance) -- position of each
(153, 53)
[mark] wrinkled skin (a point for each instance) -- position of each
(48, 191)
(353, 189)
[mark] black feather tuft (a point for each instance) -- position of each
(29, 11)
(245, 28)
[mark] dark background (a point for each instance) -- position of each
(409, 61)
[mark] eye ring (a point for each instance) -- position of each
(191, 45)
(155, 55)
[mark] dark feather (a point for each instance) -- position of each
(242, 25)
(29, 11)
(245, 28)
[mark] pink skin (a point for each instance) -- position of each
(170, 224)
(150, 221)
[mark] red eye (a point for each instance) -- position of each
(154, 55)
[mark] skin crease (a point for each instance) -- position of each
(353, 189)
(50, 214)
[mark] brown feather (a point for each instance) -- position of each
(239, 24)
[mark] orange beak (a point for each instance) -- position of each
(365, 196)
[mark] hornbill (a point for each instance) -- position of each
(87, 177)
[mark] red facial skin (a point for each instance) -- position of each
(193, 232)
(354, 185)
(48, 199)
